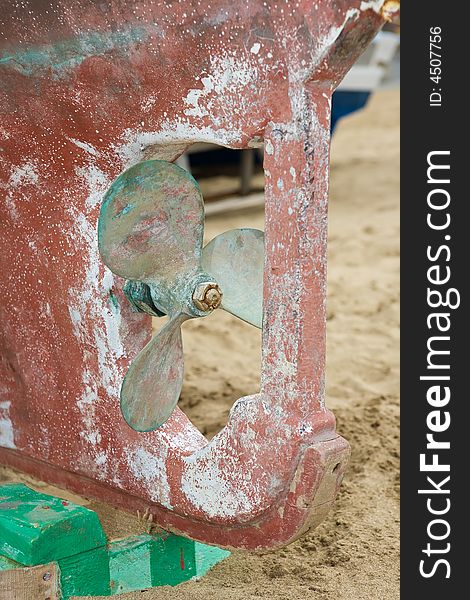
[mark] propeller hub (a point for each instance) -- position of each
(207, 296)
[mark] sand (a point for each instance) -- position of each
(353, 555)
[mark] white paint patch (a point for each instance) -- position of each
(280, 184)
(24, 174)
(151, 469)
(112, 318)
(213, 492)
(94, 437)
(101, 459)
(225, 78)
(188, 437)
(11, 207)
(255, 48)
(375, 5)
(75, 316)
(4, 134)
(293, 173)
(269, 148)
(148, 103)
(131, 151)
(207, 83)
(7, 438)
(334, 32)
(90, 302)
(83, 304)
(86, 405)
(226, 73)
(229, 72)
(192, 100)
(83, 146)
(96, 181)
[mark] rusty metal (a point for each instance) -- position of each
(207, 296)
(88, 90)
(152, 385)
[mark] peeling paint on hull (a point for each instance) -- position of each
(70, 124)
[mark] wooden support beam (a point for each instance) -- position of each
(33, 525)
(36, 528)
(167, 559)
(85, 574)
(31, 583)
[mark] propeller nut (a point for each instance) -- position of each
(207, 296)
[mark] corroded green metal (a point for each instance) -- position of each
(235, 260)
(152, 384)
(151, 226)
(140, 297)
(150, 232)
(63, 56)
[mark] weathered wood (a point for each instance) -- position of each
(6, 564)
(148, 560)
(207, 556)
(86, 573)
(33, 583)
(36, 528)
(130, 564)
(134, 563)
(186, 559)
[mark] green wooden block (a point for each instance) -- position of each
(188, 559)
(85, 574)
(207, 557)
(36, 528)
(173, 560)
(146, 561)
(6, 564)
(130, 564)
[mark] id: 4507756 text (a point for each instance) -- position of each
(435, 66)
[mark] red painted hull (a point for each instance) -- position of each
(87, 90)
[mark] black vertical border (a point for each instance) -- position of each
(425, 129)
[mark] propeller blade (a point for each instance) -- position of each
(235, 259)
(151, 223)
(152, 385)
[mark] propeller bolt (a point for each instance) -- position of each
(207, 296)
